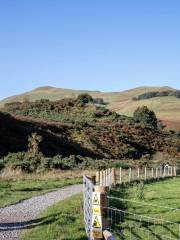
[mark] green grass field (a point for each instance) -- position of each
(18, 190)
(149, 202)
(61, 221)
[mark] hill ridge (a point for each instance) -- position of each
(166, 108)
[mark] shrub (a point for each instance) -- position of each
(23, 161)
(33, 144)
(146, 116)
(85, 98)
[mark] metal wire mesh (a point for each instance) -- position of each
(130, 226)
(88, 189)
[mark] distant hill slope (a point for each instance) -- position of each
(166, 108)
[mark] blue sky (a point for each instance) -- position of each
(107, 45)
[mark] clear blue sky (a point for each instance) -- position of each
(107, 45)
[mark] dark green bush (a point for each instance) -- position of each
(85, 98)
(23, 161)
(146, 116)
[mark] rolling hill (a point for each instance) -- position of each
(166, 108)
(70, 127)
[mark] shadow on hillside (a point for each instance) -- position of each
(56, 137)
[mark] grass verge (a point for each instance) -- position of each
(61, 221)
(154, 200)
(15, 191)
(16, 186)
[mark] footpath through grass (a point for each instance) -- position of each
(15, 191)
(16, 186)
(61, 221)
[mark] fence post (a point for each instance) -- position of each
(101, 178)
(98, 178)
(138, 175)
(100, 212)
(107, 183)
(113, 177)
(120, 175)
(156, 173)
(152, 172)
(109, 177)
(175, 171)
(130, 173)
(145, 173)
(164, 172)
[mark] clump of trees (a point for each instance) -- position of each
(85, 98)
(157, 94)
(146, 116)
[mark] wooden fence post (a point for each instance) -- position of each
(107, 184)
(130, 173)
(175, 171)
(101, 178)
(152, 172)
(171, 171)
(138, 175)
(100, 212)
(120, 175)
(104, 178)
(145, 173)
(113, 176)
(156, 173)
(109, 177)
(98, 177)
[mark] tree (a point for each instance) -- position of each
(85, 98)
(33, 144)
(146, 116)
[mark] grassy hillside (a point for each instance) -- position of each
(166, 108)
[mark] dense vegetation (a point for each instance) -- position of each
(73, 133)
(158, 94)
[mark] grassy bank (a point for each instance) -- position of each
(16, 186)
(63, 220)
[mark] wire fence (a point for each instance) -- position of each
(88, 188)
(126, 225)
(130, 226)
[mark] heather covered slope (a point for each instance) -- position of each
(166, 108)
(69, 127)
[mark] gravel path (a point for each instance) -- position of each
(15, 218)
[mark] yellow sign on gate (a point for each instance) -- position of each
(96, 210)
(96, 198)
(96, 221)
